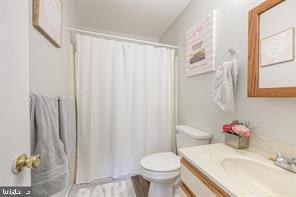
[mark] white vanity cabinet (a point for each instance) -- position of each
(195, 183)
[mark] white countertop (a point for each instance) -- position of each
(208, 158)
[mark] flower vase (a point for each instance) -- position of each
(236, 141)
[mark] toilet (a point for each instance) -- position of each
(163, 169)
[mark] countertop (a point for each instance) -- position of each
(208, 158)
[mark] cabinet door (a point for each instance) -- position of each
(185, 191)
(199, 183)
(182, 193)
(195, 185)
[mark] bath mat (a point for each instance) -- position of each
(115, 188)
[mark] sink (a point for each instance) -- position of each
(260, 178)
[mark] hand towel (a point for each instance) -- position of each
(225, 85)
(52, 175)
(67, 117)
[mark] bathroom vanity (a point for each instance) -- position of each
(195, 183)
(219, 170)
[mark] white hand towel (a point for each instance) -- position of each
(225, 85)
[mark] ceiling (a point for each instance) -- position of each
(149, 18)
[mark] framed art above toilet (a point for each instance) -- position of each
(200, 42)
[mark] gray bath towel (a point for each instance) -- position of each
(68, 125)
(52, 175)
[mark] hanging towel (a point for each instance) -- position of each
(52, 175)
(68, 125)
(225, 85)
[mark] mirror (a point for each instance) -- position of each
(272, 59)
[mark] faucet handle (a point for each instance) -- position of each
(285, 162)
(274, 157)
(278, 154)
(289, 160)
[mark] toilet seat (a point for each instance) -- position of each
(159, 176)
(161, 162)
(160, 166)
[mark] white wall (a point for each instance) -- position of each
(127, 35)
(271, 117)
(50, 71)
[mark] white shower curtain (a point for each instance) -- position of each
(125, 110)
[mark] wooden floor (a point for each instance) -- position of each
(141, 186)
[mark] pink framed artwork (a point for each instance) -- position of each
(277, 48)
(200, 41)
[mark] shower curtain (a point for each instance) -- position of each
(125, 105)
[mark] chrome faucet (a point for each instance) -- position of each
(287, 163)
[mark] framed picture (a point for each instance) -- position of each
(200, 42)
(47, 18)
(277, 48)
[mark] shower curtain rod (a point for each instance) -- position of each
(122, 38)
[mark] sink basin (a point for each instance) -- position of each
(259, 178)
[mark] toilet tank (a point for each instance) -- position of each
(187, 136)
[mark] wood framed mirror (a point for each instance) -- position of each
(271, 50)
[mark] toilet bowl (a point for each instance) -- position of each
(163, 169)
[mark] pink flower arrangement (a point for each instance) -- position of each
(237, 128)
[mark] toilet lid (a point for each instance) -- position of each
(161, 162)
